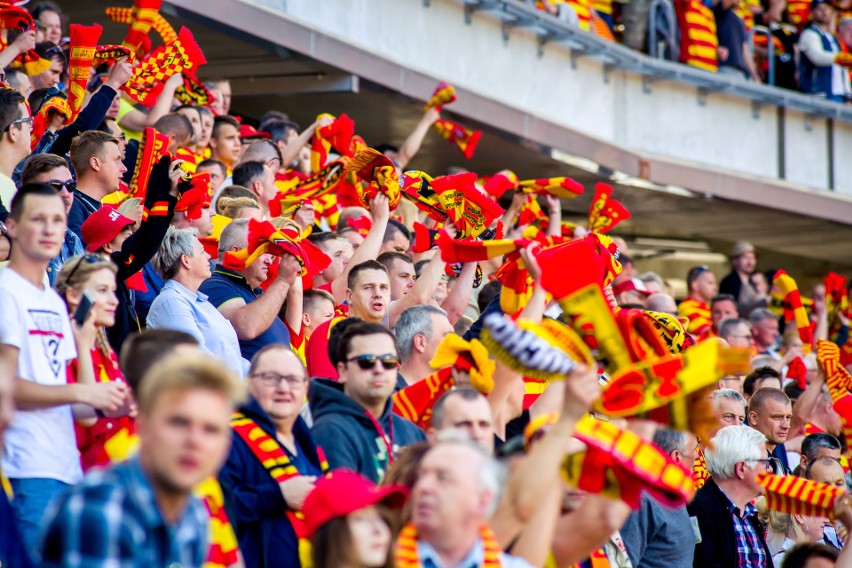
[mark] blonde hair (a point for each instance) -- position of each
(285, 223)
(231, 206)
(185, 372)
(74, 274)
(130, 208)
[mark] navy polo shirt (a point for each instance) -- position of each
(225, 285)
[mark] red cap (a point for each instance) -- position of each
(248, 131)
(632, 284)
(344, 492)
(102, 226)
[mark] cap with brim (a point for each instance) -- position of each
(248, 131)
(102, 226)
(344, 492)
(741, 248)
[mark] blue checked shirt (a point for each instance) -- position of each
(750, 550)
(111, 520)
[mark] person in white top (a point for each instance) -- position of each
(824, 66)
(38, 340)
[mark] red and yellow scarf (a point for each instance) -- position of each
(406, 555)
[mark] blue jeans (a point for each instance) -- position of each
(32, 498)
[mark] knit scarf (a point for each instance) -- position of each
(406, 555)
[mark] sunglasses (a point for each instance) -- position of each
(58, 185)
(87, 258)
(367, 362)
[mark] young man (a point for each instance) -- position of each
(770, 413)
(96, 157)
(702, 287)
(143, 512)
(353, 419)
(260, 180)
(37, 341)
(225, 141)
(14, 141)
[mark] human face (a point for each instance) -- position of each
(704, 287)
(199, 262)
(353, 237)
(371, 388)
(369, 299)
(745, 263)
(730, 412)
(830, 473)
(740, 336)
(397, 244)
(226, 145)
(110, 167)
(822, 13)
(323, 311)
(441, 327)
(723, 309)
(51, 24)
(765, 333)
(282, 399)
(48, 78)
(257, 273)
(38, 235)
(371, 536)
(101, 286)
(118, 241)
(194, 118)
(224, 88)
(206, 129)
(184, 438)
(60, 174)
(447, 498)
(216, 177)
(772, 420)
(20, 133)
(473, 417)
(339, 251)
(401, 278)
(268, 188)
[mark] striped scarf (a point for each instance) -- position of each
(406, 555)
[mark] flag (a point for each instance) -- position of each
(264, 238)
(444, 94)
(470, 210)
(112, 53)
(41, 119)
(379, 172)
(467, 356)
(193, 91)
(159, 24)
(501, 182)
(337, 136)
(794, 310)
(799, 496)
(466, 140)
(563, 187)
(605, 213)
(84, 42)
(194, 195)
(417, 188)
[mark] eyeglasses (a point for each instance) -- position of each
(367, 362)
(58, 185)
(25, 120)
(273, 379)
(88, 258)
(767, 463)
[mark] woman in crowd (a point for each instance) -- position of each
(347, 523)
(108, 439)
(184, 265)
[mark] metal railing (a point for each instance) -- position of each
(657, 47)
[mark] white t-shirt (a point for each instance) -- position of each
(39, 443)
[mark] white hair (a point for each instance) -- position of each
(492, 474)
(730, 394)
(733, 444)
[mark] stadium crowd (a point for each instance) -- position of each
(223, 345)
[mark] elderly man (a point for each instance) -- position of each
(770, 413)
(729, 530)
(419, 330)
(737, 332)
(142, 512)
(455, 493)
(730, 407)
(269, 427)
(764, 329)
(237, 294)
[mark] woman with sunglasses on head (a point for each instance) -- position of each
(92, 278)
(347, 522)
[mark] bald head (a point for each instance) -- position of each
(826, 470)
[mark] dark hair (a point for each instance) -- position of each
(20, 198)
(322, 236)
(9, 111)
(273, 116)
(798, 556)
(759, 374)
(51, 51)
(813, 442)
(174, 124)
(723, 298)
(334, 335)
(247, 172)
(385, 148)
(37, 9)
(212, 162)
(362, 328)
(352, 277)
(220, 121)
(393, 229)
(490, 291)
(144, 348)
(279, 130)
(332, 546)
(693, 275)
(37, 98)
(386, 258)
(38, 164)
(465, 393)
(188, 107)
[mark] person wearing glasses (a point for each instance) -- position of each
(728, 532)
(353, 418)
(17, 125)
(53, 170)
(265, 501)
(770, 413)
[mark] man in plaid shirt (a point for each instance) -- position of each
(142, 512)
(729, 532)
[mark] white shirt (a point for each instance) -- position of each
(7, 190)
(810, 44)
(39, 443)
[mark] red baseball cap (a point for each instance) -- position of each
(247, 131)
(344, 492)
(102, 226)
(633, 284)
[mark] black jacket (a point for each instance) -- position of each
(254, 501)
(349, 437)
(718, 546)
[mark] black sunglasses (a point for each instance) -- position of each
(367, 362)
(88, 258)
(56, 184)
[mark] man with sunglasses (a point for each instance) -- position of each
(728, 531)
(16, 124)
(353, 418)
(53, 170)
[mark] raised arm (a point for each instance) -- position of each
(369, 249)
